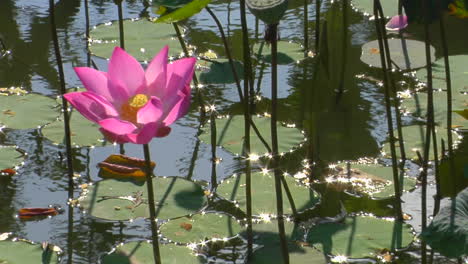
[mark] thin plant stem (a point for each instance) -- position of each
(274, 142)
(151, 204)
(378, 14)
(430, 122)
(88, 54)
(448, 79)
(66, 114)
(66, 120)
(393, 90)
(436, 172)
(121, 27)
(317, 25)
(306, 27)
(214, 180)
(246, 104)
(344, 51)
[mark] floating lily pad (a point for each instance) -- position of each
(389, 7)
(142, 252)
(27, 111)
(360, 236)
(418, 106)
(191, 8)
(201, 227)
(230, 135)
(174, 197)
(263, 193)
(374, 180)
(218, 71)
(83, 131)
(9, 157)
(406, 54)
(268, 237)
(452, 183)
(18, 252)
(458, 74)
(448, 232)
(288, 52)
(414, 137)
(143, 39)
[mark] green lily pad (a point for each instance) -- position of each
(414, 137)
(143, 39)
(288, 52)
(360, 236)
(218, 71)
(230, 135)
(269, 11)
(174, 197)
(9, 157)
(199, 227)
(142, 252)
(27, 111)
(452, 183)
(448, 231)
(418, 106)
(268, 237)
(389, 7)
(83, 131)
(263, 193)
(406, 54)
(374, 180)
(19, 252)
(458, 74)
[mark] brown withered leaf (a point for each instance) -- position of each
(186, 226)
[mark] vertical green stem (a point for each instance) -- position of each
(274, 142)
(378, 14)
(317, 25)
(151, 204)
(214, 180)
(66, 120)
(247, 85)
(344, 51)
(88, 54)
(121, 27)
(306, 27)
(430, 123)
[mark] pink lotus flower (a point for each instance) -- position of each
(131, 104)
(397, 22)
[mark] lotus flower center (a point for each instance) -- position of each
(130, 109)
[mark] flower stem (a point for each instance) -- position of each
(121, 27)
(246, 103)
(88, 53)
(274, 142)
(379, 18)
(154, 224)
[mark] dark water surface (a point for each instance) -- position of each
(350, 128)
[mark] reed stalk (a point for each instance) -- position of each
(152, 206)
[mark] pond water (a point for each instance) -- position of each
(348, 127)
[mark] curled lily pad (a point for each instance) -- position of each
(9, 158)
(230, 135)
(199, 227)
(360, 236)
(288, 52)
(414, 137)
(27, 110)
(117, 200)
(268, 238)
(389, 7)
(21, 251)
(124, 167)
(417, 105)
(406, 54)
(83, 131)
(143, 39)
(142, 252)
(458, 74)
(184, 12)
(448, 231)
(374, 180)
(263, 194)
